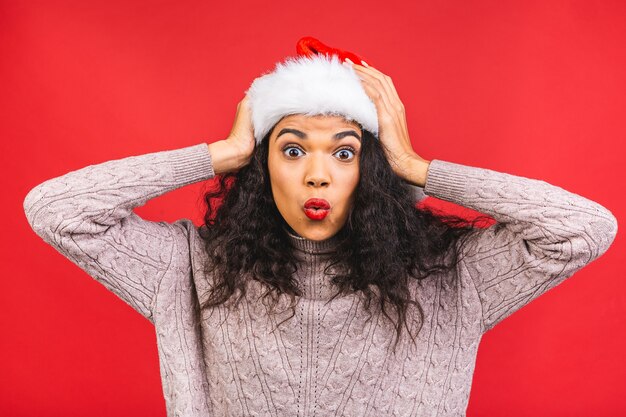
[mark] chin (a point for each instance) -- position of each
(317, 233)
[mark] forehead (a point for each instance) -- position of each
(322, 122)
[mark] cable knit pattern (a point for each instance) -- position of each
(331, 358)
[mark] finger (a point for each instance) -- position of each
(392, 101)
(379, 85)
(387, 82)
(390, 105)
(398, 116)
(398, 128)
(377, 92)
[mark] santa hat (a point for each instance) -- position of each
(315, 82)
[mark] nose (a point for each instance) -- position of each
(317, 174)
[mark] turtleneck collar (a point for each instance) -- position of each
(313, 246)
(314, 256)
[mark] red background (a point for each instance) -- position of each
(532, 88)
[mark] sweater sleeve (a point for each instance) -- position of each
(543, 234)
(87, 215)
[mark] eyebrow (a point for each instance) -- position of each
(303, 135)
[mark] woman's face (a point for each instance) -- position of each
(314, 157)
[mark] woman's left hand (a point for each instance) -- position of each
(392, 127)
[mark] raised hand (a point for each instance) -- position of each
(392, 127)
(242, 132)
(234, 152)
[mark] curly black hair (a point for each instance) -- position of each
(417, 241)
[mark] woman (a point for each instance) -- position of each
(266, 308)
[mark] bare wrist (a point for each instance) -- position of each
(418, 171)
(226, 157)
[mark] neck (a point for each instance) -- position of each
(312, 246)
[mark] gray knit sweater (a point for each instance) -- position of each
(328, 360)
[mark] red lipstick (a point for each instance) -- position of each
(316, 208)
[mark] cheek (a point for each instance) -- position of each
(281, 180)
(278, 167)
(349, 182)
(352, 178)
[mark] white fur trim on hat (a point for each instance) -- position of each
(310, 85)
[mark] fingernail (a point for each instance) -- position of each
(348, 59)
(364, 63)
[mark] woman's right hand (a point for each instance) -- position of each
(235, 152)
(242, 134)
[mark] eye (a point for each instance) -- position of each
(346, 152)
(292, 151)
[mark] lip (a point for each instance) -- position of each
(316, 208)
(317, 203)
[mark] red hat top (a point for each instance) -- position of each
(310, 46)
